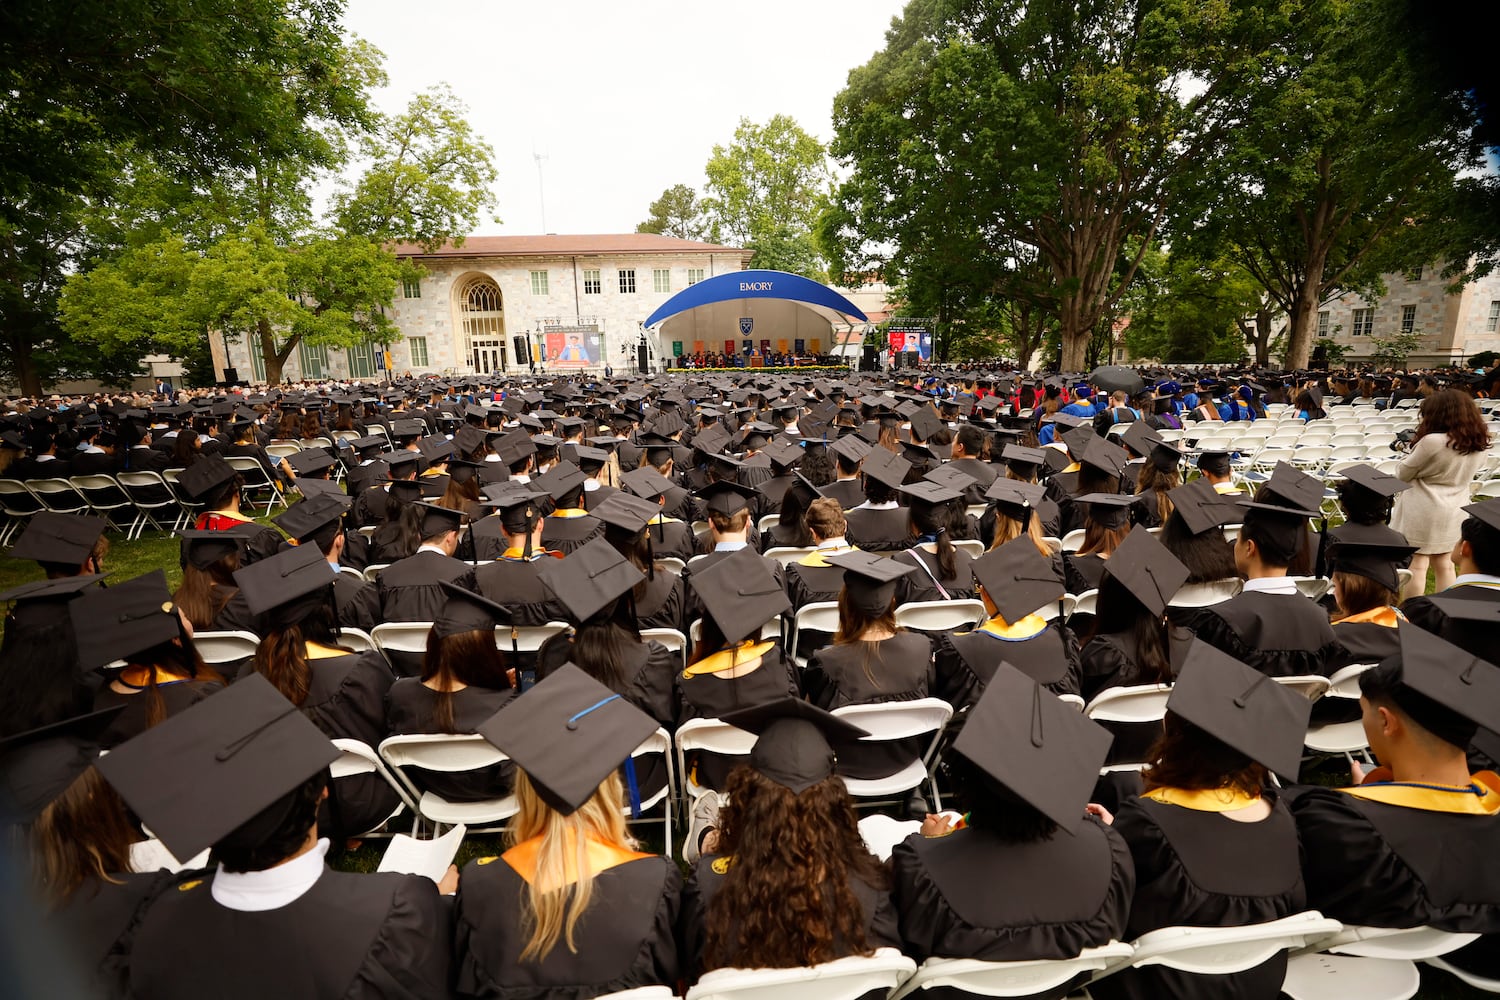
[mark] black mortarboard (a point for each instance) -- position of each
(626, 512)
(560, 480)
(850, 447)
(1296, 488)
(887, 467)
(436, 520)
(234, 760)
(1370, 478)
(204, 548)
(585, 455)
(126, 619)
(461, 470)
(646, 482)
(310, 488)
(1282, 523)
(314, 514)
(59, 538)
(925, 423)
(1372, 561)
(1242, 707)
(62, 589)
(204, 476)
(1035, 747)
(38, 765)
(796, 741)
(1466, 609)
(870, 579)
(590, 578)
(1486, 511)
(924, 491)
(1215, 461)
(1202, 507)
(726, 498)
(1103, 455)
(1016, 498)
(783, 452)
(519, 506)
(404, 490)
(740, 594)
(468, 439)
(1109, 510)
(310, 462)
(292, 583)
(1017, 578)
(396, 459)
(465, 611)
(952, 477)
(568, 733)
(1029, 458)
(1140, 438)
(1147, 569)
(514, 446)
(437, 449)
(408, 428)
(1453, 677)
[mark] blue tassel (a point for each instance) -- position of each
(635, 788)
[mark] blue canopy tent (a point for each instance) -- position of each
(755, 306)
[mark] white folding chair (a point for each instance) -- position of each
(357, 639)
(843, 979)
(766, 523)
(1133, 703)
(218, 648)
(59, 495)
(357, 757)
(1086, 603)
(1062, 608)
(670, 638)
(1482, 983)
(1311, 587)
(450, 753)
(1310, 686)
(659, 742)
(18, 504)
(283, 449)
(107, 498)
(1202, 595)
(1073, 540)
(1372, 963)
(1347, 738)
(708, 736)
(820, 616)
(787, 554)
(898, 720)
(641, 993)
(372, 571)
(701, 529)
(672, 563)
(150, 492)
(940, 616)
(1012, 979)
(973, 546)
(1221, 951)
(526, 638)
(256, 480)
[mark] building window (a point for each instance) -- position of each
(538, 282)
(418, 348)
(661, 280)
(1323, 324)
(627, 281)
(1494, 323)
(695, 275)
(1364, 321)
(257, 363)
(1408, 319)
(1416, 274)
(411, 288)
(591, 283)
(314, 360)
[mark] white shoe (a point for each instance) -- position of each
(705, 817)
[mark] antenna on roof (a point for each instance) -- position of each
(540, 192)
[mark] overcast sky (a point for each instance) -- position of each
(623, 99)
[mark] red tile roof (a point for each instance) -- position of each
(566, 246)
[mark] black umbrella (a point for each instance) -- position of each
(1116, 378)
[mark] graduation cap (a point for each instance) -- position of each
(870, 579)
(851, 447)
(1282, 523)
(1017, 578)
(932, 494)
(1369, 478)
(437, 520)
(311, 462)
(1146, 568)
(1374, 561)
(437, 449)
(590, 579)
(234, 760)
(646, 482)
(204, 548)
(1103, 455)
(396, 459)
(1486, 512)
(519, 505)
(1296, 488)
(952, 477)
(560, 480)
(1016, 499)
(924, 423)
(126, 619)
(568, 733)
(627, 512)
(1441, 672)
(292, 583)
(1214, 461)
(740, 594)
(887, 467)
(1202, 507)
(465, 611)
(795, 740)
(723, 497)
(62, 589)
(1140, 438)
(783, 452)
(51, 537)
(1025, 460)
(408, 428)
(404, 490)
(514, 447)
(1242, 708)
(38, 765)
(468, 439)
(1035, 747)
(1108, 510)
(204, 476)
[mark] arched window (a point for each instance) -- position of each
(482, 316)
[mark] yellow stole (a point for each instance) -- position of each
(1481, 798)
(1203, 799)
(726, 659)
(1386, 616)
(1027, 627)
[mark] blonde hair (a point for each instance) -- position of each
(559, 891)
(1008, 529)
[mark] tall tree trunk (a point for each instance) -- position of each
(1263, 337)
(1302, 322)
(265, 342)
(28, 379)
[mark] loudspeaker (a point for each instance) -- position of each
(231, 375)
(523, 349)
(642, 359)
(871, 360)
(913, 359)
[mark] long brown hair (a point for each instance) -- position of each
(1099, 539)
(84, 835)
(203, 593)
(1455, 414)
(282, 657)
(854, 622)
(468, 658)
(1357, 594)
(787, 897)
(1008, 529)
(181, 659)
(1186, 757)
(1153, 480)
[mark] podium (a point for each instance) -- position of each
(756, 361)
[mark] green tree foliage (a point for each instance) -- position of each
(1346, 167)
(1185, 310)
(1392, 352)
(1484, 359)
(766, 192)
(678, 213)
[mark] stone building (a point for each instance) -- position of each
(1452, 328)
(499, 302)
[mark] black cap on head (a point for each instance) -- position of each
(437, 520)
(646, 482)
(204, 548)
(1108, 510)
(740, 594)
(870, 579)
(312, 516)
(1023, 460)
(1487, 512)
(887, 467)
(1242, 707)
(126, 619)
(1017, 578)
(310, 488)
(63, 589)
(1215, 462)
(560, 480)
(465, 611)
(233, 758)
(1147, 569)
(726, 498)
(1106, 456)
(851, 447)
(626, 512)
(568, 734)
(38, 765)
(311, 462)
(59, 538)
(1014, 498)
(293, 583)
(1370, 478)
(783, 452)
(1448, 675)
(1373, 561)
(1034, 746)
(1284, 525)
(932, 494)
(1296, 488)
(468, 439)
(209, 473)
(924, 423)
(590, 579)
(1140, 438)
(796, 741)
(1201, 507)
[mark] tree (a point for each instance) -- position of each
(1189, 310)
(1347, 166)
(766, 191)
(1053, 125)
(676, 213)
(1392, 352)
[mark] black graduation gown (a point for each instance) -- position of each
(1388, 865)
(1197, 868)
(625, 939)
(850, 493)
(965, 662)
(349, 608)
(1081, 573)
(347, 701)
(982, 473)
(370, 503)
(879, 530)
(235, 616)
(810, 581)
(1362, 642)
(695, 606)
(566, 534)
(711, 696)
(902, 671)
(880, 922)
(1475, 636)
(410, 590)
(922, 585)
(593, 498)
(1281, 635)
(671, 538)
(351, 936)
(1109, 660)
(409, 706)
(96, 926)
(1059, 896)
(516, 585)
(776, 537)
(661, 606)
(177, 696)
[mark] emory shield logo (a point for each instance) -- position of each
(747, 323)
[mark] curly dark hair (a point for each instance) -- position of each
(1455, 414)
(1187, 757)
(787, 899)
